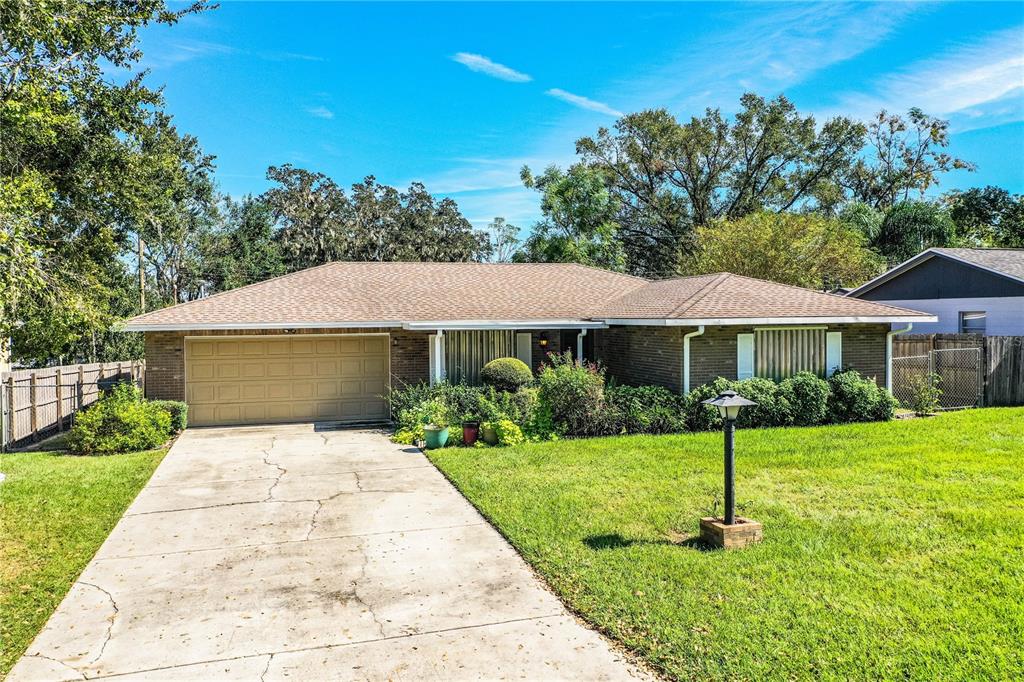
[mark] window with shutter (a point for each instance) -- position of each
(466, 352)
(782, 352)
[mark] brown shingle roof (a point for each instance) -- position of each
(1007, 261)
(339, 294)
(725, 296)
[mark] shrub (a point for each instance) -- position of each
(807, 395)
(573, 395)
(772, 408)
(852, 398)
(506, 374)
(701, 417)
(643, 409)
(463, 401)
(120, 422)
(177, 409)
(434, 413)
(508, 433)
(923, 394)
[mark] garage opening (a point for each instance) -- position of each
(277, 379)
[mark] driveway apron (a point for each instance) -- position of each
(303, 552)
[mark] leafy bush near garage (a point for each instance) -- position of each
(121, 421)
(573, 394)
(506, 374)
(807, 395)
(177, 409)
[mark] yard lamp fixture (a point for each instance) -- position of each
(729, 404)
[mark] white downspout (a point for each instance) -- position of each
(579, 345)
(686, 357)
(888, 354)
(439, 368)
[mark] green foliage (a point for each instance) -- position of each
(772, 408)
(463, 401)
(178, 411)
(911, 227)
(853, 398)
(121, 421)
(701, 417)
(506, 374)
(509, 433)
(434, 413)
(923, 394)
(800, 249)
(243, 249)
(573, 393)
(643, 409)
(988, 216)
(807, 396)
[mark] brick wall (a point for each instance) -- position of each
(638, 356)
(654, 355)
(165, 356)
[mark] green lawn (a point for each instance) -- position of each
(55, 512)
(891, 550)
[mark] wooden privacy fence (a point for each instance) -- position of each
(36, 403)
(1002, 360)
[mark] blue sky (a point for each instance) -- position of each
(460, 96)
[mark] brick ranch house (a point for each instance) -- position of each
(326, 343)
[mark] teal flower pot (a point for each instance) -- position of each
(435, 437)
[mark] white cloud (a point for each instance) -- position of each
(963, 82)
(481, 64)
(320, 112)
(583, 102)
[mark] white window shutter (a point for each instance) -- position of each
(744, 356)
(524, 348)
(833, 352)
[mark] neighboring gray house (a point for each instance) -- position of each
(971, 291)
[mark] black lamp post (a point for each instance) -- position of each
(729, 404)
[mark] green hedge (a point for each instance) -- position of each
(121, 421)
(177, 409)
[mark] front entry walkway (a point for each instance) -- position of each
(294, 552)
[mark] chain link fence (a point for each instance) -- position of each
(959, 371)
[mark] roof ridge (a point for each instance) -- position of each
(827, 293)
(701, 293)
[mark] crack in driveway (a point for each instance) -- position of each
(110, 621)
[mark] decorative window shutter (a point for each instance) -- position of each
(833, 352)
(524, 348)
(432, 344)
(744, 356)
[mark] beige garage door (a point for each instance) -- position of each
(262, 380)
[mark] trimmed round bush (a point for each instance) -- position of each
(701, 417)
(506, 374)
(807, 395)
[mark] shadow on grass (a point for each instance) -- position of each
(616, 541)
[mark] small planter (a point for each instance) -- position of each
(435, 437)
(714, 531)
(470, 432)
(489, 434)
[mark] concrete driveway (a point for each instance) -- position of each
(307, 553)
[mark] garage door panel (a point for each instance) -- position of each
(266, 380)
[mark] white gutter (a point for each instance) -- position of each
(452, 325)
(888, 354)
(686, 357)
(729, 321)
(579, 345)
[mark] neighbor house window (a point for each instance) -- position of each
(972, 322)
(777, 353)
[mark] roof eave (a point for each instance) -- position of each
(736, 321)
(420, 325)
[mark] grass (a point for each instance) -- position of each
(55, 512)
(892, 550)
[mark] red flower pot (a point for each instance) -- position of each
(470, 432)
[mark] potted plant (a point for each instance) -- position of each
(489, 433)
(434, 416)
(470, 429)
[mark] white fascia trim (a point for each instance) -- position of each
(774, 321)
(196, 326)
(457, 325)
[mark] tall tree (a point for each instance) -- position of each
(988, 216)
(910, 227)
(243, 249)
(906, 157)
(800, 249)
(70, 131)
(504, 240)
(579, 224)
(311, 211)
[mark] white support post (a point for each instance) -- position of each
(439, 369)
